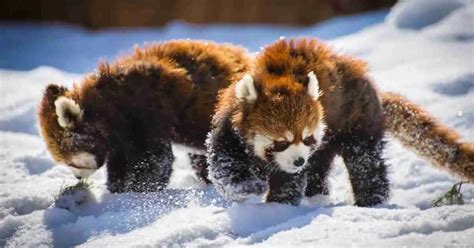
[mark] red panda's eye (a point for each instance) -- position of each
(310, 140)
(279, 146)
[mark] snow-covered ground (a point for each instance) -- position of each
(424, 50)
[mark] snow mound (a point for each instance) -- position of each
(413, 14)
(431, 64)
(457, 26)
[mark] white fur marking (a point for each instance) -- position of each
(319, 132)
(260, 144)
(86, 162)
(63, 105)
(286, 158)
(313, 86)
(307, 132)
(289, 136)
(245, 89)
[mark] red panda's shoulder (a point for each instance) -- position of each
(199, 56)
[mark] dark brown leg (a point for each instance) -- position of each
(199, 164)
(318, 170)
(286, 188)
(146, 171)
(367, 170)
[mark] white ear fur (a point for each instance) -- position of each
(68, 111)
(245, 89)
(313, 86)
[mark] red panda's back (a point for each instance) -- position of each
(162, 87)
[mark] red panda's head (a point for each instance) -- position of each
(281, 120)
(68, 137)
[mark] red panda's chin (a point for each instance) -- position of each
(82, 173)
(83, 164)
(291, 169)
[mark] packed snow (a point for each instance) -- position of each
(424, 51)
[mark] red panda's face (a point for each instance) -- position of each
(283, 125)
(69, 139)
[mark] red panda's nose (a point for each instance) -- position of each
(299, 162)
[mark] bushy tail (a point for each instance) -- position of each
(418, 130)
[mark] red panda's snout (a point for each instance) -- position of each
(289, 152)
(283, 122)
(292, 155)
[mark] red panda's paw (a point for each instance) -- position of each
(242, 191)
(286, 188)
(199, 164)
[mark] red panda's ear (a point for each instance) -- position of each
(51, 93)
(53, 90)
(68, 112)
(245, 89)
(313, 86)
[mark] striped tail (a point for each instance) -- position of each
(430, 139)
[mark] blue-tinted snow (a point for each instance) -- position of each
(24, 46)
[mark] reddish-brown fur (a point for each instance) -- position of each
(342, 81)
(439, 144)
(281, 73)
(356, 114)
(164, 92)
(349, 105)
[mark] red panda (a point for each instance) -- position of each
(126, 114)
(278, 129)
